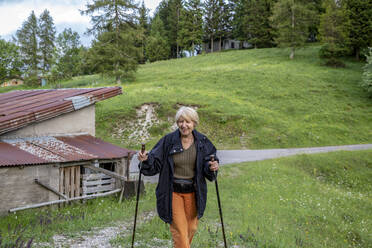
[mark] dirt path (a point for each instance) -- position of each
(98, 237)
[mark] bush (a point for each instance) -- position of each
(330, 50)
(333, 62)
(367, 74)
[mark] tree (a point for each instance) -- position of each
(173, 20)
(333, 30)
(47, 35)
(359, 14)
(144, 25)
(367, 74)
(27, 39)
(191, 31)
(292, 19)
(10, 60)
(212, 20)
(68, 54)
(256, 25)
(117, 36)
(224, 22)
(157, 47)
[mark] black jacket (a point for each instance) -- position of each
(160, 160)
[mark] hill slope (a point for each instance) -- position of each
(248, 98)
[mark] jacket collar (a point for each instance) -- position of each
(176, 140)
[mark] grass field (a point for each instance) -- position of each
(322, 200)
(248, 98)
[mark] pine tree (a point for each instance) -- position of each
(116, 51)
(173, 20)
(359, 14)
(47, 35)
(224, 22)
(257, 28)
(333, 30)
(212, 19)
(27, 39)
(144, 26)
(157, 47)
(239, 12)
(191, 32)
(292, 19)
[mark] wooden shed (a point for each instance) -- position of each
(48, 152)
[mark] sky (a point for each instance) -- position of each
(65, 14)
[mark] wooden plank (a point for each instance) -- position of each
(50, 188)
(67, 182)
(62, 201)
(77, 182)
(98, 182)
(88, 190)
(72, 182)
(97, 176)
(107, 172)
(61, 189)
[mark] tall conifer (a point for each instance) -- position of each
(116, 51)
(359, 14)
(292, 19)
(27, 39)
(47, 33)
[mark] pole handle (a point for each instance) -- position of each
(211, 157)
(143, 147)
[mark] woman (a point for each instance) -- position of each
(183, 160)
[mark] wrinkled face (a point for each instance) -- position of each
(186, 126)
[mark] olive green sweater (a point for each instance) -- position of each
(184, 163)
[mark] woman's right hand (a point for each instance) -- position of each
(142, 156)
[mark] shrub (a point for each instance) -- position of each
(367, 74)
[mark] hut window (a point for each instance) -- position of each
(108, 166)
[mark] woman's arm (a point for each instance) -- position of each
(154, 162)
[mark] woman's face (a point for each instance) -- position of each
(186, 126)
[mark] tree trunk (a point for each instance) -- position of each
(357, 52)
(293, 27)
(291, 56)
(212, 44)
(193, 48)
(220, 44)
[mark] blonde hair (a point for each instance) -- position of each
(187, 113)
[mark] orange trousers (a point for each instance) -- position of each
(184, 219)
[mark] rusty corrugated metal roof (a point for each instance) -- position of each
(21, 108)
(11, 156)
(42, 150)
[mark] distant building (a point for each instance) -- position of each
(12, 82)
(226, 44)
(47, 138)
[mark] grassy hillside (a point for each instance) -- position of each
(249, 98)
(252, 98)
(319, 200)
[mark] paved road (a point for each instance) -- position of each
(239, 156)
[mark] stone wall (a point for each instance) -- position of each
(17, 186)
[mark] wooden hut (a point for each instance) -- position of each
(48, 152)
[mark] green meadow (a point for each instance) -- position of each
(319, 200)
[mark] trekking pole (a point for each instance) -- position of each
(219, 204)
(138, 193)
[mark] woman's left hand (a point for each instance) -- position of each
(213, 166)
